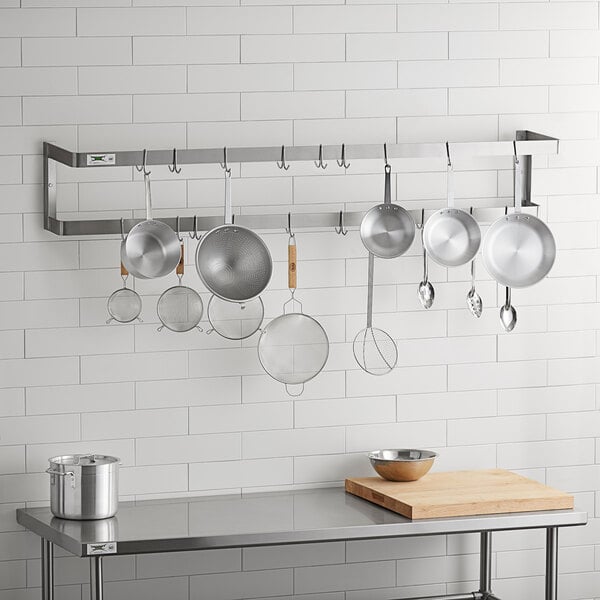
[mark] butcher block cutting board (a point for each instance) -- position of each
(460, 493)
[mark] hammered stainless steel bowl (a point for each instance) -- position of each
(404, 464)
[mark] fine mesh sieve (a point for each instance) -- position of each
(293, 348)
(124, 305)
(180, 307)
(235, 320)
(233, 262)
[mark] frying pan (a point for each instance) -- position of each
(233, 262)
(387, 230)
(451, 236)
(151, 248)
(519, 249)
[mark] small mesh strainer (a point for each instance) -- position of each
(124, 305)
(235, 320)
(180, 307)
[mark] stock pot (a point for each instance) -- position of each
(83, 486)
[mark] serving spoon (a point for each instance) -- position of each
(508, 313)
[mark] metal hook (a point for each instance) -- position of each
(224, 164)
(387, 164)
(319, 163)
(448, 155)
(515, 152)
(343, 163)
(174, 168)
(122, 230)
(282, 164)
(422, 219)
(143, 168)
(177, 220)
(194, 235)
(288, 229)
(341, 230)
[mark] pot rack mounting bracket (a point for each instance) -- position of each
(529, 144)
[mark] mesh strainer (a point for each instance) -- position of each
(124, 305)
(233, 262)
(293, 348)
(374, 350)
(235, 320)
(180, 307)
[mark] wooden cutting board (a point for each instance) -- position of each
(460, 493)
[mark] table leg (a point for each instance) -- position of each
(485, 563)
(47, 570)
(96, 578)
(551, 563)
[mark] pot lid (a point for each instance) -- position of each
(83, 460)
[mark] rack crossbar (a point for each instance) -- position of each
(528, 144)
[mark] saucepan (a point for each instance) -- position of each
(151, 248)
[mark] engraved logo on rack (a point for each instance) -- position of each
(100, 160)
(105, 548)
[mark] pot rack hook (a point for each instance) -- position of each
(343, 162)
(122, 230)
(422, 224)
(224, 164)
(174, 168)
(288, 229)
(281, 164)
(515, 152)
(319, 163)
(448, 155)
(143, 168)
(341, 230)
(385, 158)
(177, 222)
(194, 234)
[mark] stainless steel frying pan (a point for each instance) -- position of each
(519, 249)
(451, 236)
(387, 230)
(151, 248)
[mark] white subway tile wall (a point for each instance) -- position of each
(195, 414)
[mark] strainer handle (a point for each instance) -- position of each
(292, 265)
(370, 290)
(180, 264)
(228, 210)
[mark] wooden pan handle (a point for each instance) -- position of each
(292, 273)
(124, 271)
(179, 270)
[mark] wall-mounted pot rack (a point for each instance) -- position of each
(528, 144)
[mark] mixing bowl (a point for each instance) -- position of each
(404, 464)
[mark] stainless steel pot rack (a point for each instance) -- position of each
(529, 144)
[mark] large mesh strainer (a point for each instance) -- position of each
(124, 305)
(293, 348)
(180, 307)
(235, 320)
(233, 262)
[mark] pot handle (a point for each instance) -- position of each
(51, 471)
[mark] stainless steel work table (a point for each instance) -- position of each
(297, 517)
